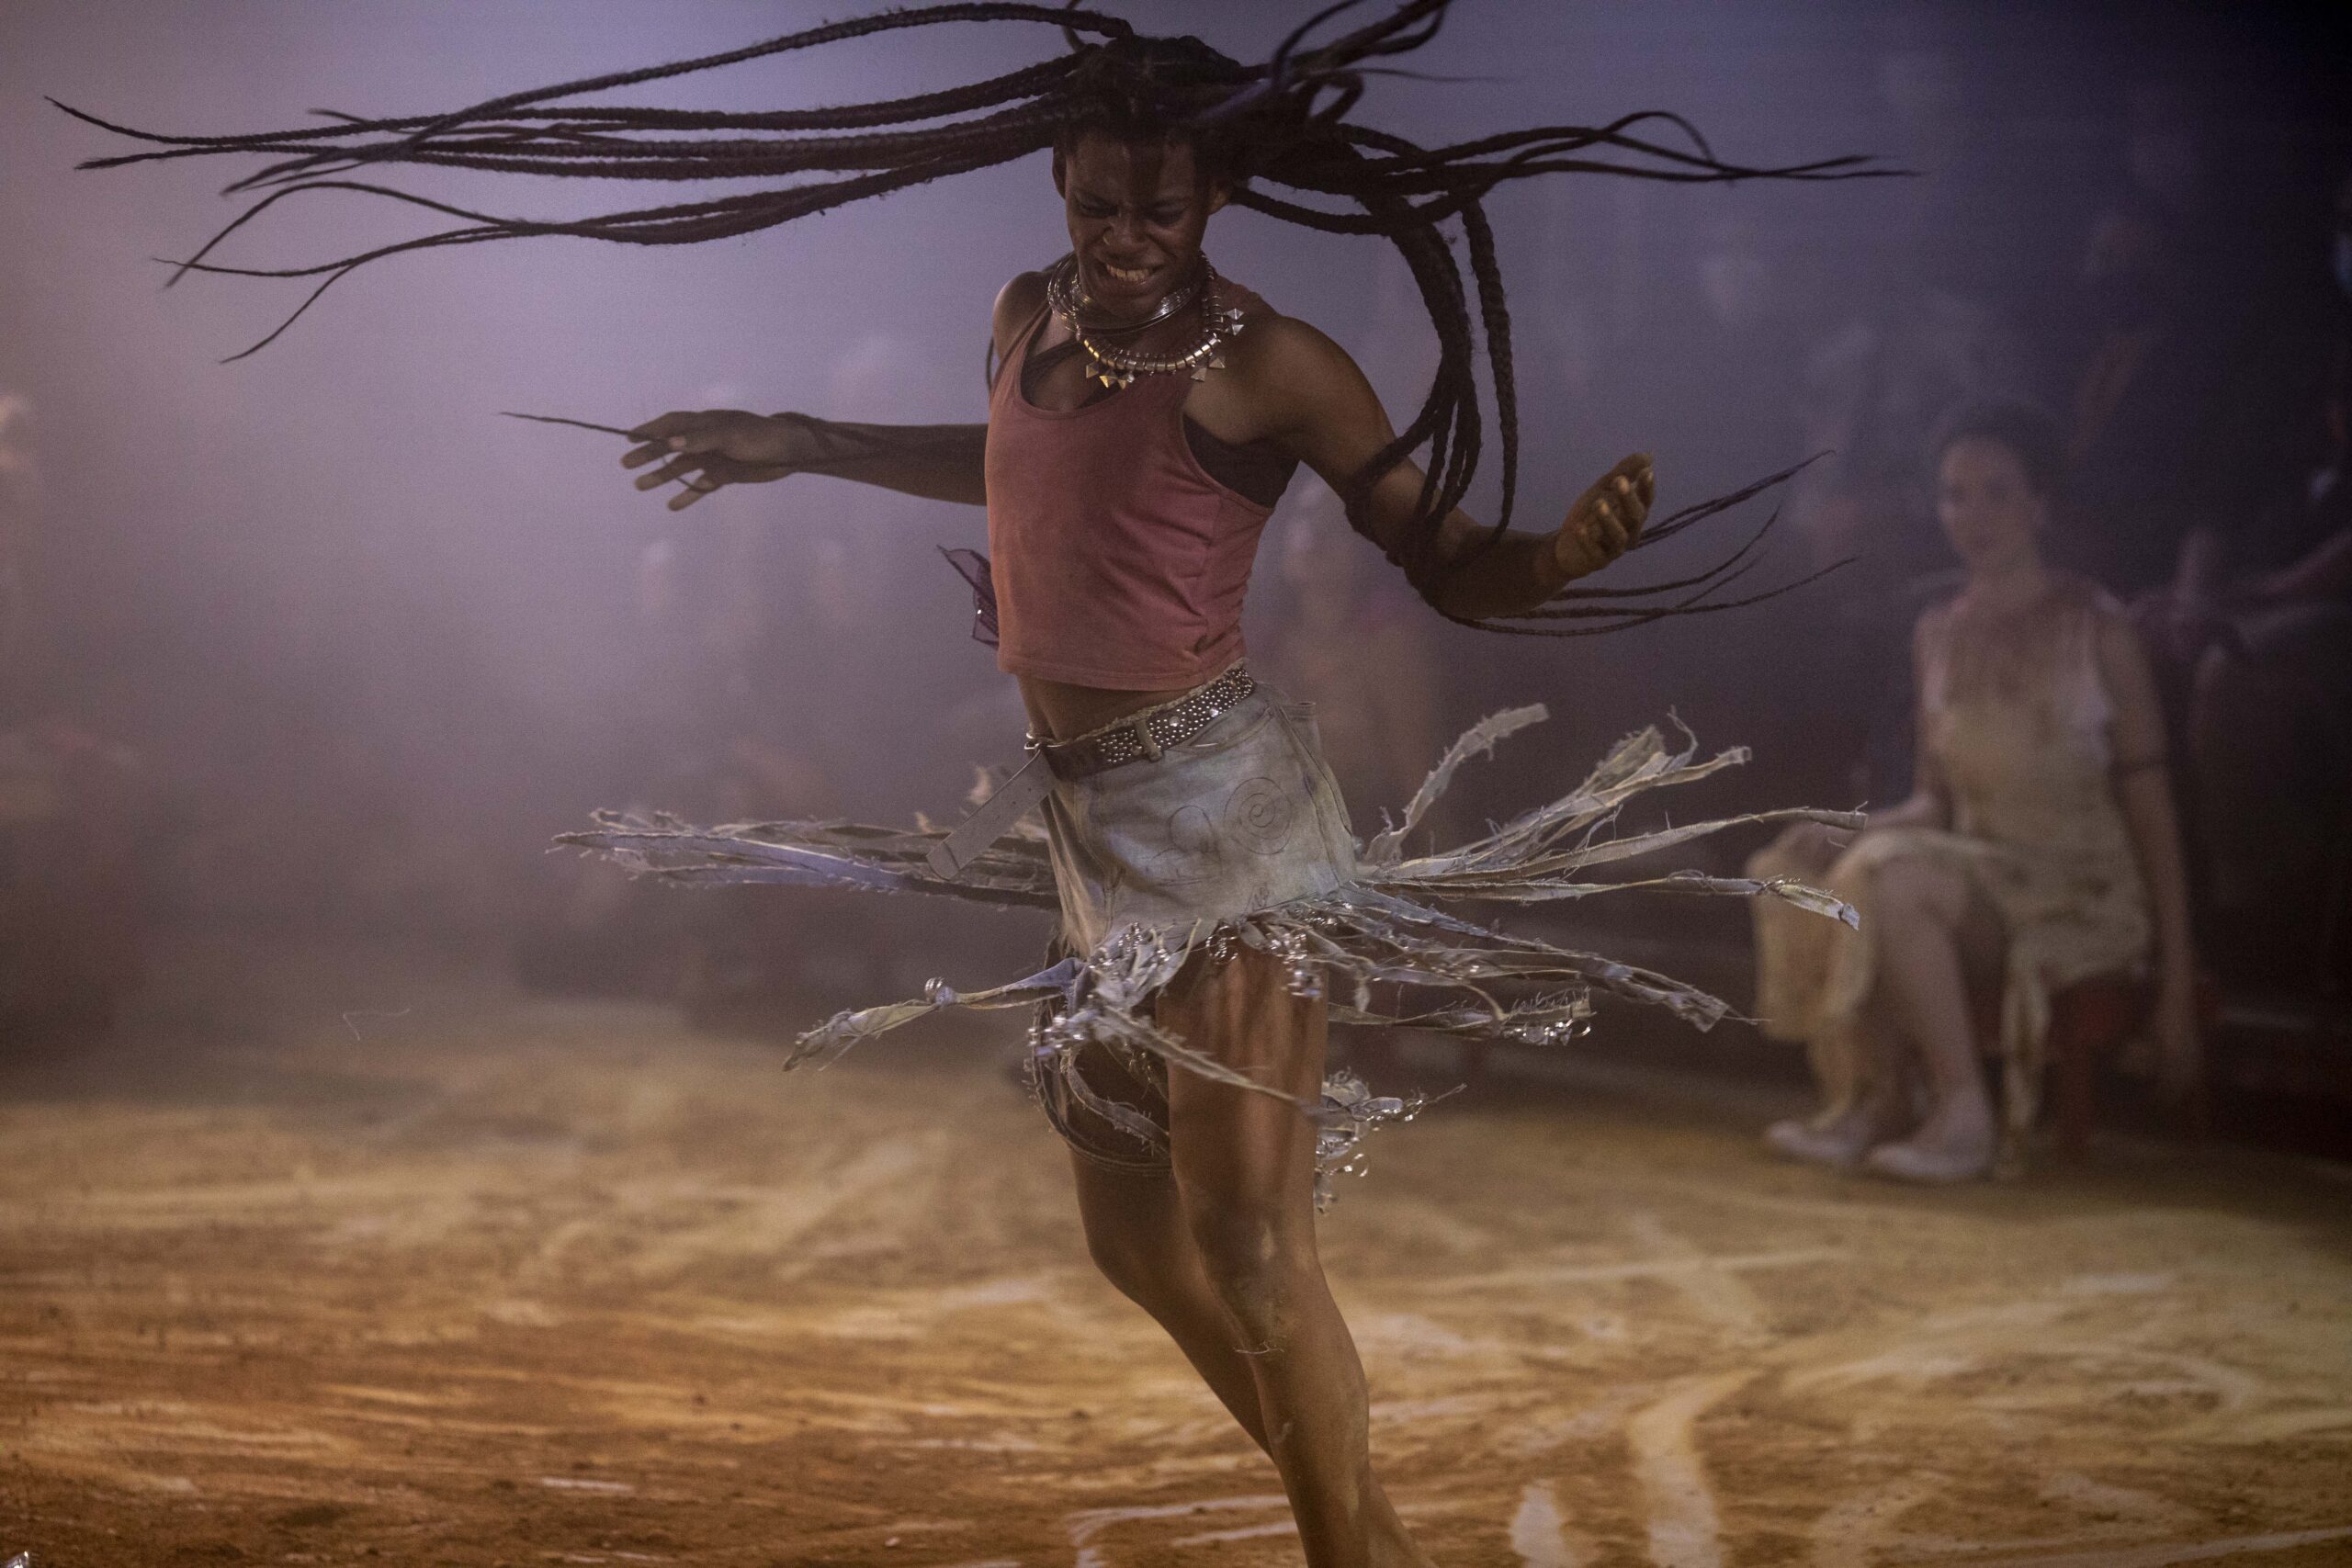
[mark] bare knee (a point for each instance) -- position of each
(1909, 894)
(1136, 1268)
(1806, 849)
(1253, 1262)
(1116, 1260)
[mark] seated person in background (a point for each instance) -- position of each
(2038, 848)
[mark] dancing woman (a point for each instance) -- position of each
(1123, 519)
(1216, 912)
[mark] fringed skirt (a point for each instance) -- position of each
(1238, 838)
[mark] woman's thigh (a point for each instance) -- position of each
(1231, 1144)
(1919, 895)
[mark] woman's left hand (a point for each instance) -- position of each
(1606, 520)
(2181, 1056)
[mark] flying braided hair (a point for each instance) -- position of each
(1282, 124)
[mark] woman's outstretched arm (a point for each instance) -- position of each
(714, 447)
(703, 451)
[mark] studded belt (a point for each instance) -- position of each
(1139, 736)
(1142, 737)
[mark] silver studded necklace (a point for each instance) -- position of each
(1118, 367)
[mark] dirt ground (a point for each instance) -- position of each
(332, 1258)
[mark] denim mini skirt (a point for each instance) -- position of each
(1238, 838)
(1241, 817)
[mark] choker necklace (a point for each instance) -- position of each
(1063, 293)
(1118, 367)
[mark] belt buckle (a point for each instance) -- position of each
(1146, 738)
(1057, 754)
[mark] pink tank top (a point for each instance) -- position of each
(1118, 561)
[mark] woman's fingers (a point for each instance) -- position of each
(692, 491)
(677, 467)
(1624, 504)
(698, 451)
(1632, 500)
(1609, 517)
(698, 475)
(1630, 469)
(1604, 531)
(1624, 511)
(661, 426)
(1635, 480)
(677, 432)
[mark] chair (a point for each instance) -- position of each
(2088, 1021)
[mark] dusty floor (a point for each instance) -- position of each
(382, 1263)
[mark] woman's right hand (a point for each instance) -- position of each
(720, 447)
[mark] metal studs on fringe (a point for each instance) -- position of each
(1302, 971)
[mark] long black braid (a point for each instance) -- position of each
(1282, 123)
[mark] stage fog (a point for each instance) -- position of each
(379, 1178)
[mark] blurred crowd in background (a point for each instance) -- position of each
(2147, 231)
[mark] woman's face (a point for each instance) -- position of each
(1988, 507)
(1135, 213)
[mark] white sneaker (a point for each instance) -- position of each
(1840, 1144)
(1949, 1149)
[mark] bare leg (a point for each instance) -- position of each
(1856, 1062)
(1245, 1184)
(1928, 923)
(1137, 1232)
(1840, 1135)
(1843, 1133)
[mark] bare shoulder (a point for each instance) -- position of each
(2115, 634)
(1295, 375)
(2110, 622)
(1275, 343)
(2074, 592)
(1017, 304)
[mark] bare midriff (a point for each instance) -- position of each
(1059, 711)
